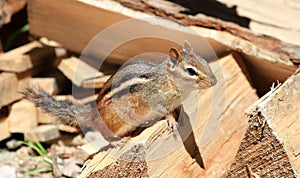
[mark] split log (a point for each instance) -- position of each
(22, 117)
(82, 74)
(48, 84)
(42, 133)
(218, 146)
(118, 11)
(262, 18)
(25, 61)
(271, 145)
(8, 88)
(29, 56)
(158, 25)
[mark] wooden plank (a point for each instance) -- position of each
(8, 88)
(218, 131)
(29, 56)
(48, 84)
(16, 60)
(271, 145)
(22, 117)
(42, 133)
(78, 71)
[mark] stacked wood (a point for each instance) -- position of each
(18, 69)
(256, 61)
(271, 145)
(19, 65)
(162, 21)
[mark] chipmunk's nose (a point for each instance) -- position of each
(213, 81)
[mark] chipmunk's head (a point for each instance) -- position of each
(190, 69)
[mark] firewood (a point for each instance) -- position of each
(271, 144)
(42, 133)
(22, 117)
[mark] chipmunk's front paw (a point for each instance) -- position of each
(172, 124)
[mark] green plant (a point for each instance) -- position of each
(38, 147)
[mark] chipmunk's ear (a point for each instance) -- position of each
(174, 53)
(187, 46)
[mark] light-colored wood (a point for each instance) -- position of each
(22, 117)
(161, 33)
(273, 128)
(4, 128)
(8, 88)
(78, 71)
(42, 133)
(218, 129)
(29, 56)
(17, 60)
(262, 18)
(44, 118)
(67, 128)
(95, 83)
(48, 84)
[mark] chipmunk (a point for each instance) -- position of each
(138, 95)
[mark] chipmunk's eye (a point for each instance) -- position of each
(191, 71)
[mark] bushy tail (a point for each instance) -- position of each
(67, 112)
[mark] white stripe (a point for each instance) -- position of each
(126, 84)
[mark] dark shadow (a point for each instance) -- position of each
(213, 8)
(188, 138)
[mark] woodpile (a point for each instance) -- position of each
(248, 123)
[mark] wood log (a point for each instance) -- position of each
(157, 26)
(42, 133)
(81, 74)
(262, 18)
(22, 117)
(48, 84)
(227, 125)
(8, 88)
(271, 145)
(28, 56)
(26, 61)
(219, 35)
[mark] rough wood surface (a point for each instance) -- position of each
(42, 133)
(157, 27)
(28, 56)
(48, 84)
(8, 88)
(216, 141)
(80, 73)
(271, 145)
(22, 117)
(212, 29)
(262, 18)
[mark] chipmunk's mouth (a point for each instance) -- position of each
(209, 82)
